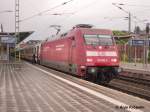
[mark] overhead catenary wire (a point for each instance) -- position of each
(6, 11)
(135, 17)
(40, 13)
(145, 6)
(72, 14)
(79, 10)
(58, 14)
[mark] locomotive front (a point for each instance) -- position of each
(101, 54)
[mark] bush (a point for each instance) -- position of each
(124, 57)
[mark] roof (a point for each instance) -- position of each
(95, 31)
(124, 37)
(22, 35)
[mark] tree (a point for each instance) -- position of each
(120, 33)
(137, 30)
(117, 33)
(147, 28)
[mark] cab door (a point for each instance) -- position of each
(71, 55)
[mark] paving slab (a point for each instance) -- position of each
(24, 88)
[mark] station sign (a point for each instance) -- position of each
(8, 40)
(139, 42)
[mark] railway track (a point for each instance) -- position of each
(135, 80)
(130, 85)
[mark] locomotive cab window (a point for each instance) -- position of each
(98, 39)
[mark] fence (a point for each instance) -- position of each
(134, 53)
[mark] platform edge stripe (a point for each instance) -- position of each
(92, 92)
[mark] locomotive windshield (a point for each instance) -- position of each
(98, 39)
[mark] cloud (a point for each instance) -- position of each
(85, 11)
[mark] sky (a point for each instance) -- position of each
(100, 13)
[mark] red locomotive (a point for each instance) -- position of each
(83, 51)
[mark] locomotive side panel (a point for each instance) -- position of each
(56, 54)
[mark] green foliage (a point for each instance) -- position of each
(121, 42)
(137, 30)
(119, 33)
(124, 57)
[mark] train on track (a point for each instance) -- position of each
(83, 51)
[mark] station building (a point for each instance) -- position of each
(7, 44)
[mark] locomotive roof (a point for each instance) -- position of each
(83, 31)
(94, 31)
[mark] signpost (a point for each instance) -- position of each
(137, 42)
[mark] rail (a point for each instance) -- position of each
(130, 85)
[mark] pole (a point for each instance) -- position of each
(2, 28)
(135, 55)
(146, 44)
(129, 31)
(147, 50)
(17, 27)
(129, 23)
(8, 52)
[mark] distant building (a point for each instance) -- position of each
(22, 35)
(141, 36)
(8, 42)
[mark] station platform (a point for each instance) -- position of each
(32, 88)
(138, 70)
(136, 66)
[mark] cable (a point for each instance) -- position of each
(75, 12)
(135, 17)
(40, 13)
(132, 5)
(79, 10)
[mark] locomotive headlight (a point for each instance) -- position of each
(89, 60)
(82, 67)
(114, 60)
(100, 47)
(93, 70)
